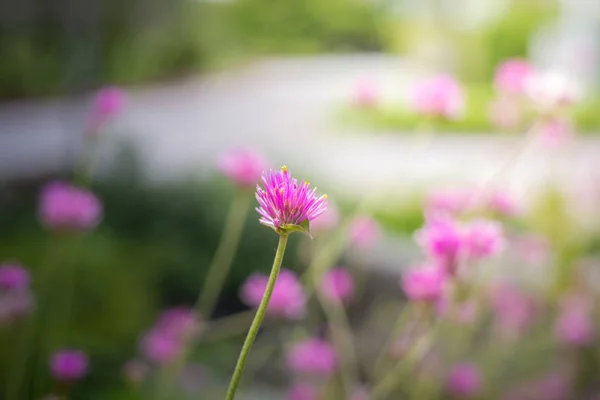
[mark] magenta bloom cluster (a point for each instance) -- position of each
(16, 299)
(288, 299)
(107, 104)
(285, 204)
(69, 365)
(338, 285)
(312, 357)
(64, 207)
(243, 166)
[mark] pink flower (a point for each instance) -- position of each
(135, 371)
(159, 347)
(286, 205)
(243, 166)
(364, 232)
(108, 103)
(512, 75)
(425, 283)
(514, 311)
(68, 208)
(366, 93)
(550, 91)
(313, 357)
(465, 380)
(503, 204)
(450, 201)
(287, 300)
(482, 238)
(574, 325)
(338, 285)
(505, 113)
(178, 322)
(13, 277)
(69, 365)
(440, 96)
(326, 221)
(554, 132)
(302, 391)
(441, 238)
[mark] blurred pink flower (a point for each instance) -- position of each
(551, 91)
(108, 103)
(338, 285)
(69, 365)
(465, 380)
(285, 202)
(424, 283)
(312, 357)
(68, 208)
(511, 76)
(288, 299)
(505, 113)
(514, 310)
(364, 232)
(365, 94)
(327, 221)
(502, 203)
(482, 238)
(178, 322)
(451, 201)
(439, 96)
(302, 391)
(441, 238)
(159, 347)
(13, 277)
(554, 132)
(15, 304)
(574, 325)
(135, 371)
(243, 166)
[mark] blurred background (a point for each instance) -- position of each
(280, 77)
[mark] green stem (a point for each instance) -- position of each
(260, 315)
(224, 255)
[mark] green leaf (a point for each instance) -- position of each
(304, 227)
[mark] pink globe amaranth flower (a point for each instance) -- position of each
(551, 91)
(511, 76)
(13, 277)
(424, 283)
(364, 232)
(555, 132)
(574, 325)
(302, 391)
(286, 205)
(135, 371)
(440, 97)
(64, 207)
(327, 221)
(501, 203)
(514, 310)
(482, 238)
(69, 365)
(312, 357)
(338, 285)
(178, 322)
(465, 380)
(160, 347)
(107, 104)
(243, 166)
(505, 113)
(365, 93)
(441, 238)
(288, 299)
(450, 201)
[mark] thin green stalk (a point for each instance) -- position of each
(260, 315)
(399, 325)
(224, 255)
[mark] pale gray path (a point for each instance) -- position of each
(284, 107)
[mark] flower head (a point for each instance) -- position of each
(448, 201)
(365, 94)
(285, 204)
(287, 300)
(107, 104)
(482, 238)
(338, 285)
(179, 322)
(243, 166)
(574, 325)
(511, 76)
(501, 203)
(68, 208)
(302, 391)
(159, 347)
(313, 357)
(13, 277)
(425, 283)
(364, 232)
(441, 238)
(439, 96)
(465, 380)
(514, 310)
(69, 365)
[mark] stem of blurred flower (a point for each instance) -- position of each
(20, 356)
(82, 173)
(224, 255)
(260, 315)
